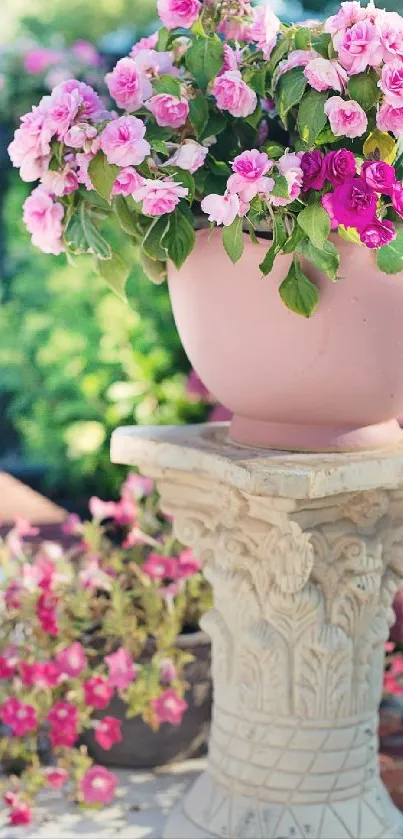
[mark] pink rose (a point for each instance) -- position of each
(264, 30)
(169, 707)
(190, 156)
(160, 197)
(178, 13)
(314, 169)
(348, 14)
(122, 670)
(248, 189)
(236, 27)
(38, 60)
(80, 135)
(91, 106)
(252, 165)
(340, 166)
(63, 109)
(379, 176)
(389, 26)
(86, 53)
(43, 218)
(127, 85)
(390, 119)
(108, 732)
(60, 182)
(98, 786)
(378, 233)
(391, 83)
(232, 58)
(289, 165)
(168, 110)
(347, 119)
(222, 209)
(122, 140)
(360, 48)
(397, 198)
(72, 660)
(97, 692)
(326, 75)
(30, 149)
(352, 204)
(234, 95)
(296, 58)
(18, 716)
(127, 181)
(148, 43)
(151, 63)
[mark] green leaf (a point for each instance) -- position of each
(274, 151)
(155, 236)
(163, 39)
(233, 241)
(167, 84)
(160, 147)
(311, 116)
(315, 223)
(115, 272)
(103, 175)
(214, 185)
(321, 43)
(291, 244)
(256, 79)
(278, 53)
(363, 88)
(182, 176)
(290, 88)
(82, 236)
(298, 293)
(215, 125)
(219, 167)
(198, 114)
(254, 119)
(326, 258)
(303, 38)
(180, 238)
(326, 137)
(279, 239)
(125, 217)
(204, 59)
(281, 188)
(158, 133)
(390, 257)
(155, 271)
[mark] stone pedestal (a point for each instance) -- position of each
(305, 554)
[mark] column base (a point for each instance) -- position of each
(230, 816)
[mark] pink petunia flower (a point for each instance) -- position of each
(56, 777)
(187, 564)
(393, 677)
(169, 707)
(122, 670)
(159, 567)
(18, 716)
(98, 692)
(46, 610)
(137, 485)
(98, 786)
(7, 667)
(20, 814)
(108, 732)
(72, 660)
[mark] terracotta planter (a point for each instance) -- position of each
(143, 748)
(327, 383)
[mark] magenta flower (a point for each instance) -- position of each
(42, 674)
(98, 692)
(18, 716)
(86, 52)
(379, 176)
(62, 111)
(378, 233)
(178, 13)
(72, 660)
(46, 610)
(159, 567)
(393, 678)
(30, 149)
(122, 140)
(20, 814)
(352, 204)
(340, 166)
(169, 111)
(38, 59)
(7, 667)
(122, 671)
(314, 169)
(91, 105)
(108, 732)
(56, 777)
(187, 564)
(397, 198)
(101, 509)
(98, 786)
(169, 707)
(63, 719)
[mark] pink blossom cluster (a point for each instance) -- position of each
(353, 201)
(250, 178)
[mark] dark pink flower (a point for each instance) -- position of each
(378, 233)
(13, 595)
(7, 667)
(169, 707)
(187, 564)
(56, 777)
(101, 509)
(159, 567)
(122, 670)
(98, 692)
(108, 732)
(72, 660)
(340, 167)
(66, 737)
(72, 525)
(46, 610)
(98, 786)
(137, 485)
(20, 814)
(42, 674)
(352, 204)
(313, 167)
(379, 176)
(397, 198)
(63, 713)
(18, 716)
(393, 677)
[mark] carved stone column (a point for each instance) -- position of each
(305, 554)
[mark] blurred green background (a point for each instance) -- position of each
(75, 362)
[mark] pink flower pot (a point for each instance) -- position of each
(331, 382)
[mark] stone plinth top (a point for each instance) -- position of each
(208, 449)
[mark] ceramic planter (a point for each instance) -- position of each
(142, 748)
(331, 382)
